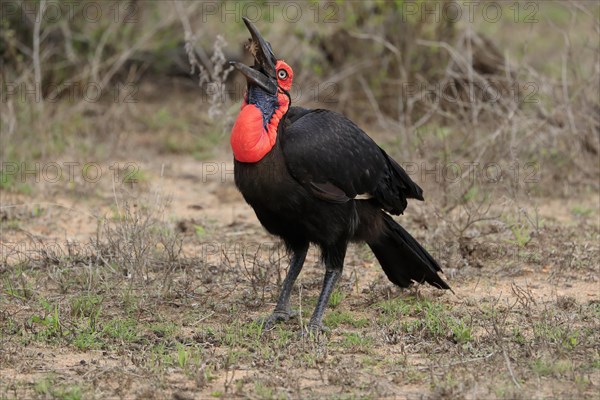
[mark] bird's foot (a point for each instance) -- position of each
(277, 316)
(314, 330)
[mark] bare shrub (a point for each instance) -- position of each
(139, 242)
(58, 71)
(212, 72)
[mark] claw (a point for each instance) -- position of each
(278, 316)
(314, 330)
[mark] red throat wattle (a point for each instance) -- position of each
(250, 141)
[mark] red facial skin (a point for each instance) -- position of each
(250, 141)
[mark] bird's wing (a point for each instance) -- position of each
(335, 160)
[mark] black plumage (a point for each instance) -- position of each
(304, 191)
(324, 181)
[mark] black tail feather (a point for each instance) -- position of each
(403, 259)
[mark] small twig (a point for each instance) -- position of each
(423, 368)
(380, 40)
(373, 102)
(116, 199)
(510, 370)
(500, 340)
(36, 54)
(197, 322)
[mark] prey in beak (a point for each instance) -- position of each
(262, 73)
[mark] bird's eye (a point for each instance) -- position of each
(282, 74)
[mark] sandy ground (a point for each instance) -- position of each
(203, 194)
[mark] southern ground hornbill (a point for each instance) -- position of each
(313, 176)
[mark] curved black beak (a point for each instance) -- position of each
(263, 72)
(261, 50)
(256, 77)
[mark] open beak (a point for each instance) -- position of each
(256, 77)
(263, 72)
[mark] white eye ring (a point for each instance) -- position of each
(282, 74)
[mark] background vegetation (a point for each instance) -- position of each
(144, 283)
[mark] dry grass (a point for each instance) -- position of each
(133, 316)
(145, 283)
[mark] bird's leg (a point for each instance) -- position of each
(283, 311)
(334, 263)
(331, 278)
